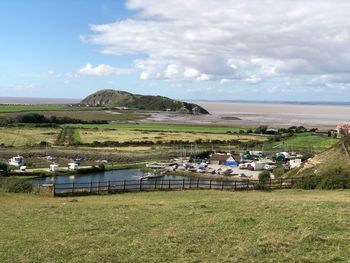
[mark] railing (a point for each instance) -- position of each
(112, 187)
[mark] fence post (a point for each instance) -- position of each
(190, 184)
(222, 185)
(140, 184)
(54, 189)
(161, 184)
(235, 185)
(90, 187)
(270, 182)
(183, 184)
(247, 184)
(124, 185)
(73, 188)
(197, 183)
(108, 186)
(169, 184)
(281, 183)
(210, 184)
(98, 187)
(155, 184)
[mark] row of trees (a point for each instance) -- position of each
(263, 129)
(35, 118)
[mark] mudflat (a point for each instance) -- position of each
(272, 114)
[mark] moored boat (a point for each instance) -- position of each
(153, 175)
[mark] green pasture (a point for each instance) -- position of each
(180, 226)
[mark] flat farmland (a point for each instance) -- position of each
(26, 136)
(162, 127)
(123, 135)
(84, 115)
(24, 108)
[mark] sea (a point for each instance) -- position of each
(37, 101)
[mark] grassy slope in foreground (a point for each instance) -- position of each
(186, 226)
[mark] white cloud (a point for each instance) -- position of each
(52, 73)
(102, 70)
(241, 41)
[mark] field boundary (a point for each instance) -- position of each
(114, 187)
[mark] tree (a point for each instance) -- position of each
(4, 168)
(261, 129)
(300, 129)
(264, 176)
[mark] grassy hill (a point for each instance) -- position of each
(182, 226)
(116, 98)
(328, 169)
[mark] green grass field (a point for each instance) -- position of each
(183, 226)
(22, 108)
(304, 141)
(163, 127)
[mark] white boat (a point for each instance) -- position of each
(155, 166)
(54, 167)
(152, 175)
(23, 168)
(73, 166)
(16, 161)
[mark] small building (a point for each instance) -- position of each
(272, 132)
(295, 163)
(343, 130)
(54, 167)
(223, 159)
(257, 166)
(16, 161)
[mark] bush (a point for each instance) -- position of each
(308, 182)
(12, 185)
(264, 176)
(332, 178)
(279, 171)
(4, 168)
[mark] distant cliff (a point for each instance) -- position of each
(117, 98)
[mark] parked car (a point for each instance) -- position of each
(243, 166)
(269, 167)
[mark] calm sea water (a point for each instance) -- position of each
(37, 101)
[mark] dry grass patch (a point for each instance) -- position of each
(25, 136)
(89, 136)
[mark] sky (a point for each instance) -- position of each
(268, 50)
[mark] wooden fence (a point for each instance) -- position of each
(112, 187)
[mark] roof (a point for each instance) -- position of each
(344, 127)
(219, 157)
